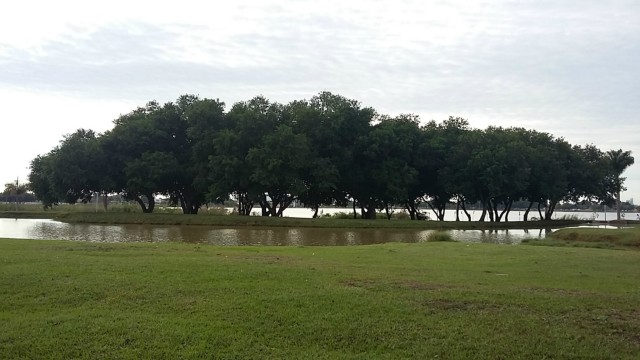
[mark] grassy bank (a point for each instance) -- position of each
(611, 238)
(28, 214)
(62, 300)
(235, 221)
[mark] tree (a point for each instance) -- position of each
(550, 163)
(16, 189)
(618, 161)
(388, 160)
(164, 150)
(278, 163)
(205, 118)
(132, 135)
(321, 178)
(498, 163)
(443, 163)
(40, 180)
(588, 175)
(339, 125)
(77, 167)
(229, 171)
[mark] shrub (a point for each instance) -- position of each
(439, 236)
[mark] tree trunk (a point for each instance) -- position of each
(147, 209)
(355, 215)
(371, 212)
(484, 211)
(386, 210)
(458, 209)
(284, 204)
(439, 211)
(264, 205)
(464, 209)
(315, 212)
(368, 211)
(540, 211)
(507, 210)
(244, 204)
(549, 212)
(105, 201)
(494, 210)
(490, 211)
(618, 205)
(411, 209)
(526, 213)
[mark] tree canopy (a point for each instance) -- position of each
(327, 150)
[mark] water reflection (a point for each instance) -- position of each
(48, 229)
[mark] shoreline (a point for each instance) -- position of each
(259, 221)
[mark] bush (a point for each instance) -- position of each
(216, 211)
(340, 215)
(439, 236)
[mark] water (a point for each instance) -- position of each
(450, 215)
(49, 229)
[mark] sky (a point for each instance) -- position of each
(570, 68)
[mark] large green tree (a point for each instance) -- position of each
(344, 123)
(619, 161)
(444, 161)
(278, 163)
(230, 171)
(16, 189)
(132, 135)
(549, 160)
(40, 180)
(388, 156)
(321, 178)
(164, 150)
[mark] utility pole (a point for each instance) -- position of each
(17, 184)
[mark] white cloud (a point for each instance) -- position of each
(571, 68)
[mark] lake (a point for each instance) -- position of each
(50, 229)
(450, 215)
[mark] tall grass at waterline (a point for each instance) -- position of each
(617, 238)
(439, 236)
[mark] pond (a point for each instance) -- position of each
(49, 229)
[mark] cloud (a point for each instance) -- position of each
(571, 67)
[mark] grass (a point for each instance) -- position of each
(623, 238)
(439, 236)
(61, 300)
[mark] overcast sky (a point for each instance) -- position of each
(571, 68)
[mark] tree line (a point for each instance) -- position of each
(328, 150)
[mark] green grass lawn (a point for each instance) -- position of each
(62, 300)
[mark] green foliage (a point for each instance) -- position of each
(340, 215)
(439, 236)
(328, 150)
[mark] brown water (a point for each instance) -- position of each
(49, 229)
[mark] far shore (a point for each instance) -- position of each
(247, 221)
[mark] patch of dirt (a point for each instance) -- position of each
(560, 292)
(622, 323)
(417, 285)
(359, 283)
(459, 305)
(268, 259)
